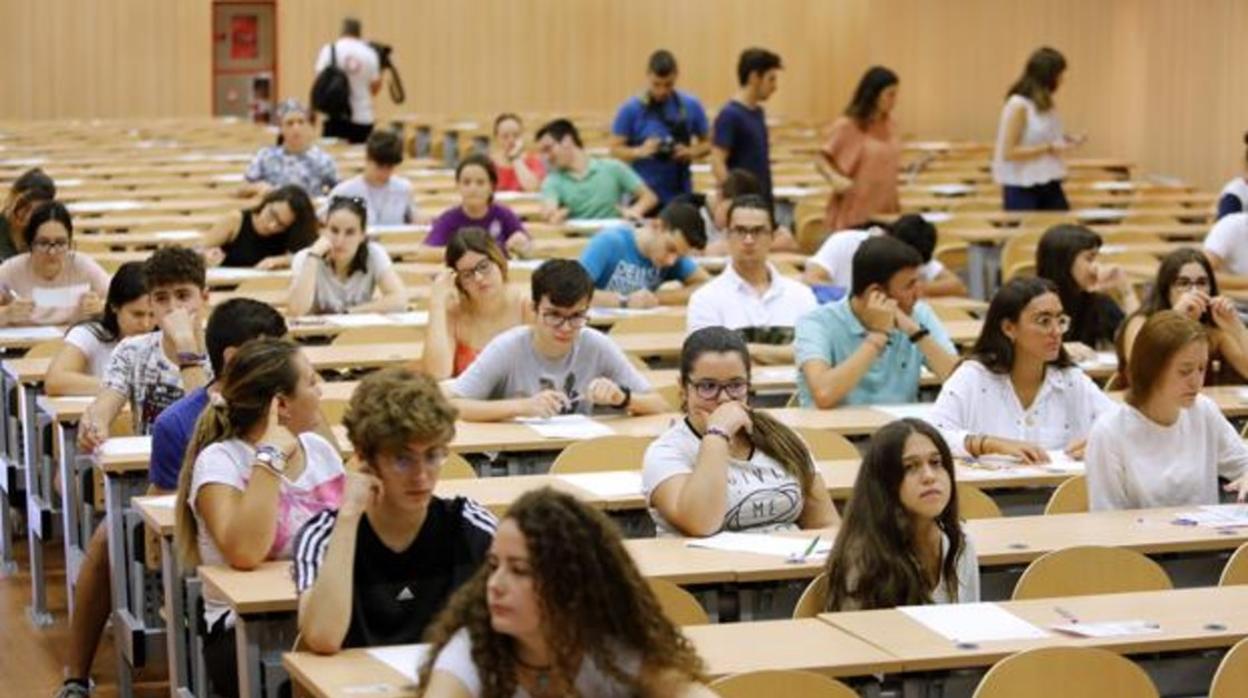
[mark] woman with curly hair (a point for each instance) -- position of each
(559, 609)
(379, 568)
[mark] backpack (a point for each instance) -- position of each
(331, 91)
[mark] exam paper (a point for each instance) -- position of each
(126, 446)
(937, 217)
(1216, 516)
(973, 622)
(1099, 214)
(761, 544)
(623, 483)
(33, 332)
(236, 273)
(405, 659)
(567, 426)
(950, 189)
(592, 224)
(166, 501)
(411, 317)
(359, 320)
(1109, 629)
(102, 206)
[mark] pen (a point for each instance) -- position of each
(1070, 617)
(811, 549)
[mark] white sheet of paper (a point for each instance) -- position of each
(235, 273)
(102, 206)
(761, 544)
(69, 182)
(1119, 628)
(411, 317)
(1113, 186)
(30, 333)
(951, 189)
(177, 235)
(917, 410)
(929, 145)
(1104, 359)
(791, 192)
(774, 374)
(937, 217)
(525, 264)
(973, 622)
(387, 229)
(595, 313)
(166, 501)
(1216, 516)
(359, 320)
(62, 297)
(1099, 214)
(1059, 462)
(230, 177)
(567, 426)
(591, 224)
(126, 446)
(405, 659)
(622, 483)
(517, 196)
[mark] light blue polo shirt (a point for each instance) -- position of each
(832, 333)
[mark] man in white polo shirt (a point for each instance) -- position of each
(751, 295)
(833, 264)
(363, 68)
(1226, 246)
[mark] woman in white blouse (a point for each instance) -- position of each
(1168, 445)
(1030, 140)
(1019, 395)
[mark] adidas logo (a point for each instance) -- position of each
(405, 595)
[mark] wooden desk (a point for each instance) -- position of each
(158, 515)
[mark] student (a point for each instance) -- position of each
(902, 541)
(868, 348)
(1226, 245)
(1018, 394)
(725, 467)
(750, 295)
(1027, 161)
(862, 155)
(296, 159)
(152, 371)
(342, 270)
(833, 264)
(714, 209)
(661, 131)
(477, 180)
(1067, 256)
(470, 304)
(231, 325)
(51, 284)
(264, 236)
(557, 365)
(379, 569)
(1234, 196)
(31, 188)
(559, 609)
(254, 474)
(740, 134)
(360, 62)
(628, 265)
(517, 170)
(387, 196)
(1186, 283)
(79, 365)
(578, 186)
(1168, 445)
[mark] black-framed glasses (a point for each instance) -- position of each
(757, 231)
(50, 246)
(1185, 283)
(708, 389)
(478, 270)
(552, 319)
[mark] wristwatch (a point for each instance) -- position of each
(628, 398)
(919, 335)
(272, 458)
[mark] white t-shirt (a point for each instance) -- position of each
(729, 301)
(1042, 128)
(762, 495)
(1135, 463)
(362, 66)
(84, 340)
(968, 573)
(390, 204)
(319, 487)
(836, 256)
(1228, 239)
(456, 659)
(975, 400)
(1238, 188)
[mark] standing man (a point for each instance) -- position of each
(363, 68)
(740, 137)
(661, 131)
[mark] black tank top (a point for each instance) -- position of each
(249, 247)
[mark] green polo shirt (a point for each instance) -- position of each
(597, 193)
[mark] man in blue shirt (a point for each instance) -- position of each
(628, 265)
(661, 131)
(232, 324)
(869, 348)
(740, 135)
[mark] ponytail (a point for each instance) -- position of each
(784, 445)
(212, 426)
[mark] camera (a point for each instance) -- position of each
(383, 53)
(678, 134)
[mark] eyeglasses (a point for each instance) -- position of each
(708, 389)
(756, 232)
(478, 270)
(50, 246)
(1184, 283)
(576, 320)
(431, 460)
(1049, 322)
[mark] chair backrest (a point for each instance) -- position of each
(814, 600)
(952, 255)
(603, 453)
(671, 395)
(774, 682)
(951, 313)
(811, 233)
(678, 605)
(457, 467)
(1081, 672)
(1070, 497)
(640, 324)
(1236, 570)
(1232, 675)
(263, 283)
(827, 445)
(45, 349)
(1090, 569)
(974, 504)
(381, 334)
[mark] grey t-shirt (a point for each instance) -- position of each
(456, 659)
(390, 204)
(336, 296)
(510, 367)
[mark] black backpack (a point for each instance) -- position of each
(331, 91)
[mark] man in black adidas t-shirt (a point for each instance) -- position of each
(381, 567)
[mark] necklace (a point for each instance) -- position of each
(541, 674)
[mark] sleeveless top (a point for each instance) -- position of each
(464, 355)
(1041, 128)
(249, 247)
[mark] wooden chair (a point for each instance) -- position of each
(678, 605)
(810, 233)
(604, 453)
(457, 467)
(974, 504)
(952, 254)
(1070, 497)
(1087, 570)
(670, 393)
(1236, 570)
(45, 349)
(1232, 674)
(1081, 672)
(814, 600)
(640, 324)
(333, 411)
(382, 334)
(774, 682)
(828, 445)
